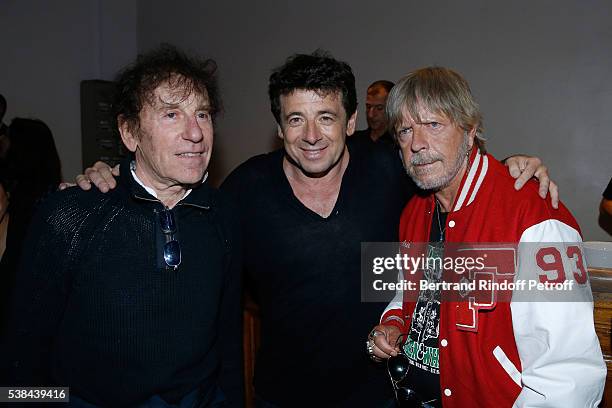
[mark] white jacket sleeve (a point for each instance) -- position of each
(393, 311)
(562, 364)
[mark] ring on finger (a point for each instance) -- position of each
(370, 347)
(370, 351)
(375, 333)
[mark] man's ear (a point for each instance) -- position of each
(471, 137)
(279, 132)
(350, 125)
(127, 135)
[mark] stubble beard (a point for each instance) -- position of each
(443, 181)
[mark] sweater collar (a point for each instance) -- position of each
(199, 196)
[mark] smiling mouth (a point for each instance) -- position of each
(190, 154)
(317, 150)
(313, 154)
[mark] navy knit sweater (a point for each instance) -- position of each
(97, 310)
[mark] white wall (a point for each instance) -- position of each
(539, 69)
(47, 48)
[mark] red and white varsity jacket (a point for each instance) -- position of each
(519, 354)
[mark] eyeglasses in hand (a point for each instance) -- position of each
(398, 367)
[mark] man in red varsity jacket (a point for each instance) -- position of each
(511, 353)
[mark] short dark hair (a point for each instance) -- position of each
(318, 72)
(382, 83)
(137, 82)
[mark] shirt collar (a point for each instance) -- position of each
(150, 190)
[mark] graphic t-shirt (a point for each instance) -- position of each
(421, 345)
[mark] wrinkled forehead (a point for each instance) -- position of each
(177, 91)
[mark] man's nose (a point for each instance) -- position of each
(419, 139)
(193, 131)
(312, 134)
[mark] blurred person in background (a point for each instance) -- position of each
(4, 215)
(4, 142)
(31, 169)
(605, 209)
(376, 100)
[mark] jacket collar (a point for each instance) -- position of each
(472, 179)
